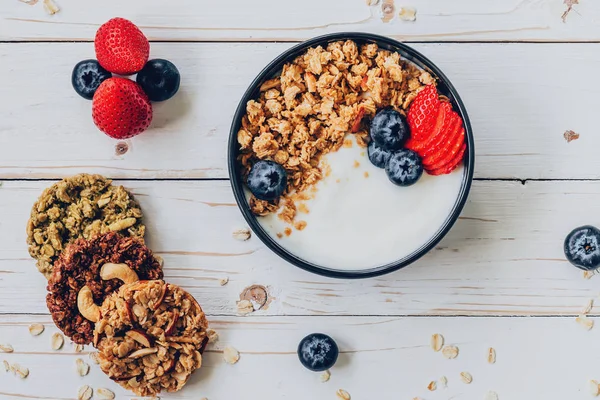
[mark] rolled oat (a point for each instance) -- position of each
(231, 355)
(85, 393)
(57, 341)
(6, 348)
(104, 394)
(450, 352)
(36, 329)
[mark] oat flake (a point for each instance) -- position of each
(466, 377)
(242, 234)
(588, 307)
(20, 371)
(212, 335)
(6, 348)
(325, 375)
(51, 7)
(104, 394)
(594, 388)
(78, 347)
(94, 357)
(491, 396)
(57, 341)
(82, 367)
(6, 365)
(343, 395)
(585, 322)
(245, 307)
(408, 14)
(444, 381)
(36, 329)
(432, 386)
(85, 393)
(491, 358)
(437, 342)
(223, 281)
(231, 355)
(450, 352)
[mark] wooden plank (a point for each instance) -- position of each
(192, 20)
(521, 99)
(503, 257)
(537, 358)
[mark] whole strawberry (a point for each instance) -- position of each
(121, 47)
(121, 109)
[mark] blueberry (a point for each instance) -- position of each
(379, 157)
(582, 247)
(267, 180)
(318, 352)
(389, 129)
(404, 168)
(160, 79)
(87, 76)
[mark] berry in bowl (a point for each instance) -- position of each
(351, 155)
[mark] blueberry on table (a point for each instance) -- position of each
(379, 157)
(582, 247)
(318, 352)
(404, 167)
(87, 76)
(267, 180)
(160, 79)
(389, 129)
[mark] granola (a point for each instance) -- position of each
(81, 206)
(318, 99)
(80, 265)
(151, 337)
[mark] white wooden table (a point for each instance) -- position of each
(499, 279)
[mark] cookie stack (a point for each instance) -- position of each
(105, 286)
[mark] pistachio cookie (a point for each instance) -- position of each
(150, 337)
(82, 206)
(88, 271)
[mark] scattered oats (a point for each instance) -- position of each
(6, 348)
(491, 358)
(223, 281)
(57, 341)
(588, 308)
(466, 377)
(491, 396)
(408, 13)
(369, 2)
(104, 394)
(82, 367)
(588, 274)
(6, 365)
(432, 386)
(325, 375)
(231, 355)
(212, 335)
(51, 7)
(242, 234)
(594, 388)
(585, 322)
(94, 357)
(161, 261)
(78, 347)
(245, 307)
(343, 395)
(444, 381)
(570, 136)
(20, 371)
(450, 352)
(437, 342)
(85, 393)
(569, 4)
(36, 329)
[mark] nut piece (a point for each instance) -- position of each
(6, 348)
(594, 388)
(122, 224)
(86, 305)
(143, 352)
(57, 341)
(85, 393)
(450, 352)
(104, 394)
(231, 355)
(82, 368)
(325, 375)
(408, 14)
(51, 7)
(140, 337)
(20, 371)
(466, 377)
(245, 307)
(223, 281)
(343, 395)
(491, 396)
(242, 234)
(212, 335)
(36, 329)
(585, 322)
(118, 271)
(432, 386)
(437, 342)
(491, 356)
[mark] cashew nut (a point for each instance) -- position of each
(86, 305)
(118, 271)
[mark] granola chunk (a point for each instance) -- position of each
(82, 206)
(320, 98)
(151, 337)
(79, 265)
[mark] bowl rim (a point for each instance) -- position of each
(273, 68)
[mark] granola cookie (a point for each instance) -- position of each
(151, 337)
(88, 271)
(318, 99)
(81, 206)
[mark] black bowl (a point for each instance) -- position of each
(272, 70)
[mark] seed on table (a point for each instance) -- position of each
(437, 342)
(36, 329)
(57, 341)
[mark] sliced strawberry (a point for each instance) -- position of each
(442, 158)
(359, 117)
(451, 166)
(441, 125)
(423, 113)
(448, 133)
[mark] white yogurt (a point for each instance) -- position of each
(359, 222)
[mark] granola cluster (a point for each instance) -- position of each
(80, 264)
(318, 99)
(150, 337)
(81, 206)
